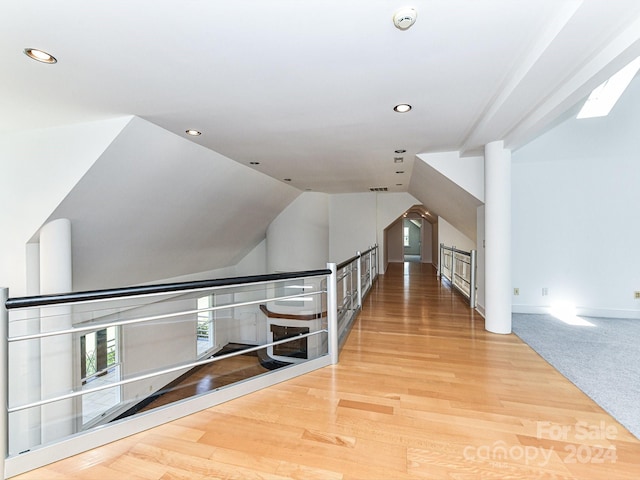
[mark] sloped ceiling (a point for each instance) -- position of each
(296, 90)
(307, 88)
(445, 198)
(155, 206)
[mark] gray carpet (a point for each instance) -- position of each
(602, 360)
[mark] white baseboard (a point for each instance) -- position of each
(580, 311)
(533, 309)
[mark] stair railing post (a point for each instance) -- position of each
(359, 272)
(332, 313)
(472, 280)
(453, 266)
(371, 257)
(4, 384)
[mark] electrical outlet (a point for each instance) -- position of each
(516, 291)
(545, 291)
(636, 295)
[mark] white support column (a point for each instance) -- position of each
(56, 352)
(497, 181)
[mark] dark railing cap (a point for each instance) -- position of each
(75, 297)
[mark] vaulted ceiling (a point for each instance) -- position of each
(302, 92)
(307, 89)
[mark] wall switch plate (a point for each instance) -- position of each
(545, 291)
(516, 291)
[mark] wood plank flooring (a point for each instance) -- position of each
(209, 377)
(421, 391)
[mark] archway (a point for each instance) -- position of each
(412, 237)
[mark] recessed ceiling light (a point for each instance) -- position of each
(401, 150)
(39, 55)
(193, 133)
(402, 108)
(254, 163)
(398, 159)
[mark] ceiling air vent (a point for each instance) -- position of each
(379, 189)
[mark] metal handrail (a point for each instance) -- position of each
(340, 266)
(463, 279)
(146, 290)
(97, 326)
(454, 249)
(371, 249)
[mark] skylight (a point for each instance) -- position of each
(605, 96)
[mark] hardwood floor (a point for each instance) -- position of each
(210, 377)
(421, 391)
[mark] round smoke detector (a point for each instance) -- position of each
(405, 17)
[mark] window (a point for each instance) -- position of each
(205, 331)
(98, 353)
(406, 236)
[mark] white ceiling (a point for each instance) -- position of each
(307, 88)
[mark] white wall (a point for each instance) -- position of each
(575, 214)
(37, 170)
(450, 186)
(298, 239)
(466, 172)
(352, 224)
(393, 242)
(575, 233)
(452, 237)
(255, 262)
(435, 247)
(427, 242)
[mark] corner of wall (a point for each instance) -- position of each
(45, 166)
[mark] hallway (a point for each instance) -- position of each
(421, 391)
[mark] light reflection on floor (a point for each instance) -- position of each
(567, 314)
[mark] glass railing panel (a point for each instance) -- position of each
(111, 359)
